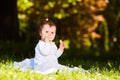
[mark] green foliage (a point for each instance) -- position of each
(23, 5)
(23, 12)
(74, 19)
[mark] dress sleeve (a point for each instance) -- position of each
(59, 53)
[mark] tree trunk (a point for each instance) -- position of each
(8, 20)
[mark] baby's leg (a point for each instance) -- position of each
(23, 65)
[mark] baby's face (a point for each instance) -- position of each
(48, 32)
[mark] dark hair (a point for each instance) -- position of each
(46, 21)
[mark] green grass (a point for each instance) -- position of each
(106, 66)
(98, 71)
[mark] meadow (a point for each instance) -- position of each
(104, 67)
(95, 71)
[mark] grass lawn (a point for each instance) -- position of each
(106, 67)
(97, 71)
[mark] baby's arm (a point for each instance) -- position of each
(62, 45)
(61, 49)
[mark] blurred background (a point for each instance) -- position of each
(89, 28)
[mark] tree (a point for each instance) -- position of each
(77, 20)
(8, 20)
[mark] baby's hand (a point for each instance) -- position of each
(62, 45)
(45, 39)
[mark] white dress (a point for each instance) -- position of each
(45, 60)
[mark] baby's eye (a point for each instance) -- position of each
(52, 32)
(46, 31)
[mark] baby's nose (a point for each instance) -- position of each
(49, 34)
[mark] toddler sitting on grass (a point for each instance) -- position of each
(46, 53)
